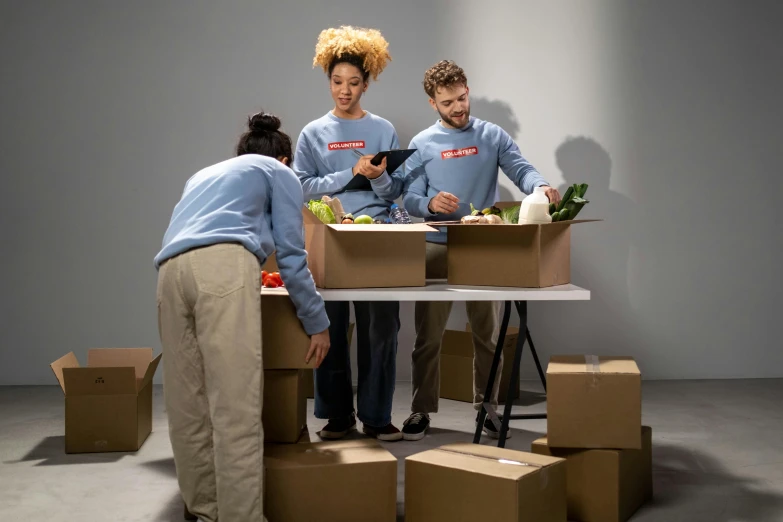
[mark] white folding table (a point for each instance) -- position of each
(441, 291)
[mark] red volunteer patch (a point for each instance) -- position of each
(459, 153)
(340, 145)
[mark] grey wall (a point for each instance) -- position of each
(670, 112)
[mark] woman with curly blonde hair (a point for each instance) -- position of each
(331, 152)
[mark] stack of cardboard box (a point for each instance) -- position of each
(594, 411)
(351, 480)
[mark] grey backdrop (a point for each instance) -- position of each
(669, 110)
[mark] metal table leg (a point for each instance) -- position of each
(501, 423)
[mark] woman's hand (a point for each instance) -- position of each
(364, 168)
(319, 347)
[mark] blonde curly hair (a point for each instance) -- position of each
(368, 45)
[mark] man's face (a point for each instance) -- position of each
(453, 105)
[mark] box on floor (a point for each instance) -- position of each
(456, 365)
(605, 485)
(476, 482)
(345, 481)
(594, 402)
(108, 403)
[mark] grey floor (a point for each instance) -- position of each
(717, 452)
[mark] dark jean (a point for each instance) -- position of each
(377, 326)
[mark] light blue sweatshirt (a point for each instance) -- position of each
(324, 161)
(255, 201)
(463, 162)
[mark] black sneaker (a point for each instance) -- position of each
(338, 428)
(415, 426)
(491, 431)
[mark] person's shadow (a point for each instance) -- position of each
(599, 261)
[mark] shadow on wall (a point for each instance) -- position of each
(599, 261)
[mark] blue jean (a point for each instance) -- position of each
(377, 326)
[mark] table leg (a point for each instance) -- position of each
(535, 358)
(521, 307)
(486, 407)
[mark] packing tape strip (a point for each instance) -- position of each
(542, 469)
(593, 367)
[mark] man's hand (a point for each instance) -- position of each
(364, 168)
(319, 347)
(443, 203)
(552, 194)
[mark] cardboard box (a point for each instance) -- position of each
(365, 256)
(594, 402)
(345, 481)
(285, 405)
(108, 404)
(456, 365)
(285, 343)
(309, 376)
(270, 265)
(476, 482)
(525, 256)
(605, 485)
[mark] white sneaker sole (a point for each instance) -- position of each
(414, 436)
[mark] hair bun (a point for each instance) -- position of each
(263, 122)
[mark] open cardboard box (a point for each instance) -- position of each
(108, 404)
(524, 256)
(365, 256)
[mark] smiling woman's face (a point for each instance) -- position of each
(347, 86)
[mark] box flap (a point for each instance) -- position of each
(66, 361)
(139, 358)
(289, 456)
(591, 363)
(414, 227)
(485, 460)
(151, 368)
(99, 381)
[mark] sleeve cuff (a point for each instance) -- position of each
(382, 182)
(345, 176)
(316, 323)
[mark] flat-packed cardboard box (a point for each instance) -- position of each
(309, 377)
(605, 485)
(456, 365)
(108, 404)
(594, 402)
(345, 481)
(475, 482)
(365, 256)
(284, 414)
(524, 256)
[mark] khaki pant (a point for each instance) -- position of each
(431, 318)
(209, 318)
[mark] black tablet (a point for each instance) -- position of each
(394, 158)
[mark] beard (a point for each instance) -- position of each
(447, 119)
